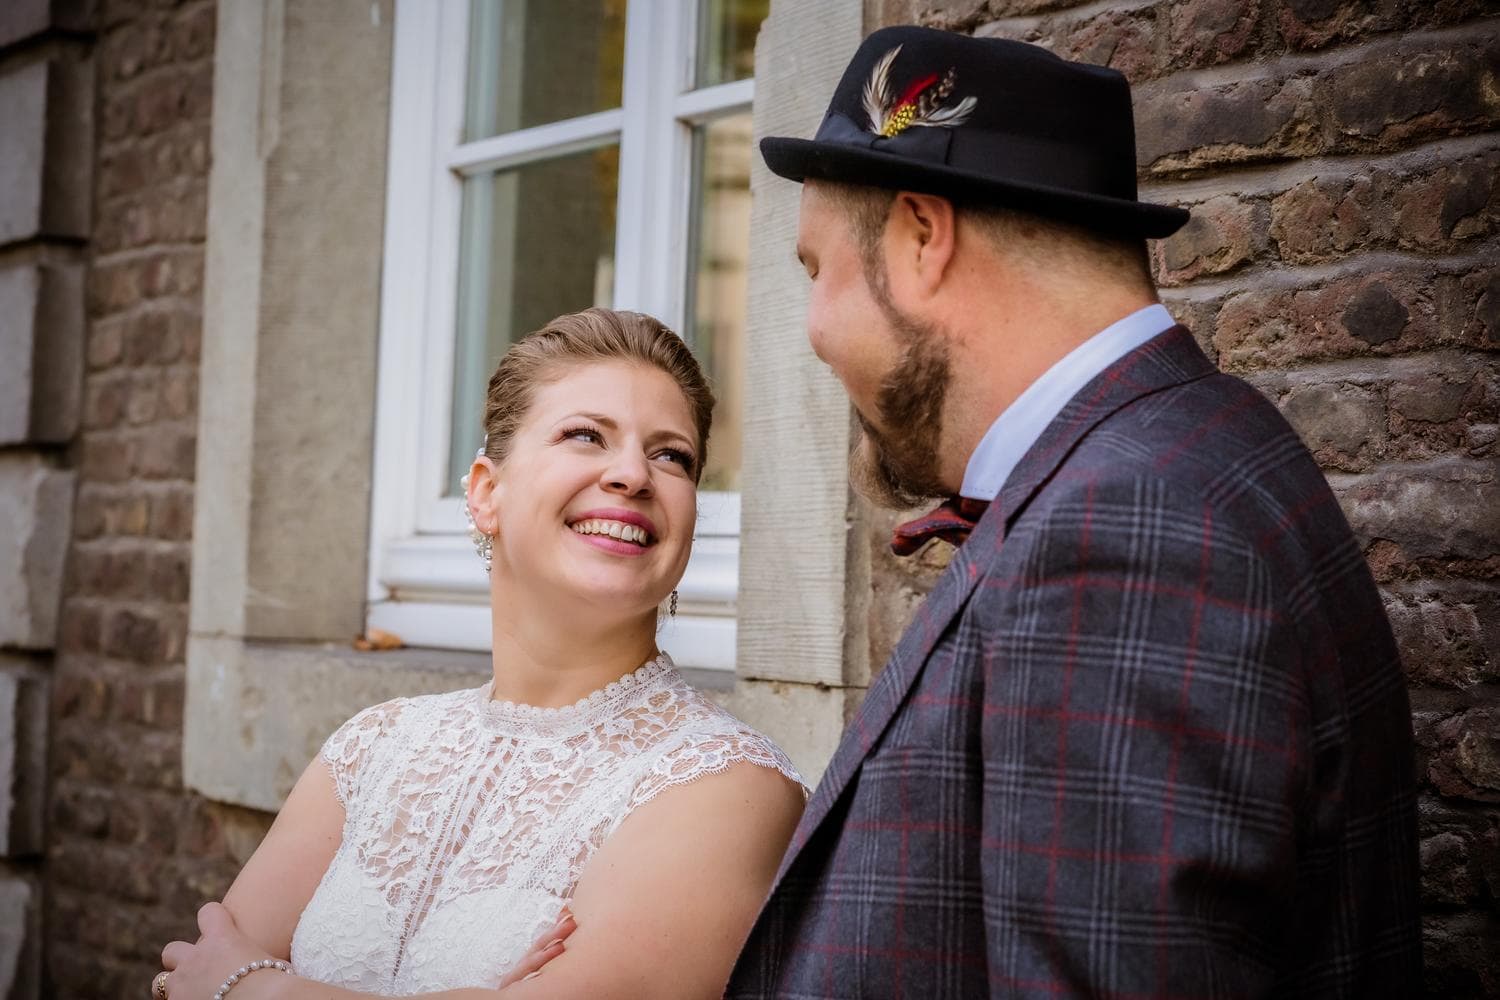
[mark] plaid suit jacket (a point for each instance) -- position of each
(1148, 737)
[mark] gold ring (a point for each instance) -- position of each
(159, 986)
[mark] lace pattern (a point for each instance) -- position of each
(469, 821)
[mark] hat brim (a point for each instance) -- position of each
(803, 159)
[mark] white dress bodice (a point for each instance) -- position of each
(468, 821)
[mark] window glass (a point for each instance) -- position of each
(726, 39)
(720, 246)
(533, 62)
(536, 241)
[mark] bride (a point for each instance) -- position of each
(586, 824)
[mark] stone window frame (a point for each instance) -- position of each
(289, 360)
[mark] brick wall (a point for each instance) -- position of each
(1342, 163)
(130, 855)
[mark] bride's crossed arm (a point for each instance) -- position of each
(662, 908)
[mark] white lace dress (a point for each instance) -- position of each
(469, 821)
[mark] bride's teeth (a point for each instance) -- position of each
(614, 529)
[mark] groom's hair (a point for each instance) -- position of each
(588, 337)
(1047, 242)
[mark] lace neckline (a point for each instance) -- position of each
(517, 718)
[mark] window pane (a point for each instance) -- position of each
(536, 242)
(726, 39)
(716, 281)
(537, 61)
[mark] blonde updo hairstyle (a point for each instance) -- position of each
(590, 336)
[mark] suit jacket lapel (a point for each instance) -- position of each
(890, 686)
(1171, 358)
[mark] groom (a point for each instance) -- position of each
(1148, 735)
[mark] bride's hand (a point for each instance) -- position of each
(197, 970)
(543, 950)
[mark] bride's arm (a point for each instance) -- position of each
(271, 891)
(662, 909)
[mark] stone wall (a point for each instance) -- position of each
(46, 154)
(130, 855)
(1340, 159)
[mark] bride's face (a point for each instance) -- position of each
(597, 499)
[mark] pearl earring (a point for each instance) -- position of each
(483, 544)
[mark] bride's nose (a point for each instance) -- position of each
(628, 473)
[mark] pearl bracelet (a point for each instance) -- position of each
(245, 970)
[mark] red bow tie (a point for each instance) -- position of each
(951, 521)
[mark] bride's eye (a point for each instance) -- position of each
(682, 458)
(582, 434)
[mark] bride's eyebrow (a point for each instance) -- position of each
(597, 418)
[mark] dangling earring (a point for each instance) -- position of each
(483, 544)
(672, 607)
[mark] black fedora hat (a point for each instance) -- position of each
(981, 121)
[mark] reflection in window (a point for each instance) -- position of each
(726, 39)
(716, 280)
(534, 62)
(536, 241)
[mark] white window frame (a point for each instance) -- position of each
(425, 582)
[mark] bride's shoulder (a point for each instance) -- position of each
(706, 738)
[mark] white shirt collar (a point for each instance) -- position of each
(1018, 427)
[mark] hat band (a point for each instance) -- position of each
(992, 157)
(929, 145)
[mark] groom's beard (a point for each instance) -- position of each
(898, 467)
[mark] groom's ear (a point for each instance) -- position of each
(920, 238)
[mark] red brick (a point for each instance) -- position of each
(1467, 762)
(192, 33)
(1222, 234)
(104, 398)
(81, 810)
(1445, 511)
(172, 513)
(179, 393)
(1382, 312)
(79, 694)
(104, 345)
(166, 575)
(1208, 32)
(147, 821)
(167, 453)
(1448, 876)
(80, 628)
(1449, 635)
(143, 401)
(1313, 24)
(1395, 97)
(113, 287)
(1345, 426)
(135, 634)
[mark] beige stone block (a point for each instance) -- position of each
(36, 508)
(23, 757)
(291, 316)
(258, 712)
(41, 344)
(46, 117)
(806, 720)
(20, 935)
(796, 564)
